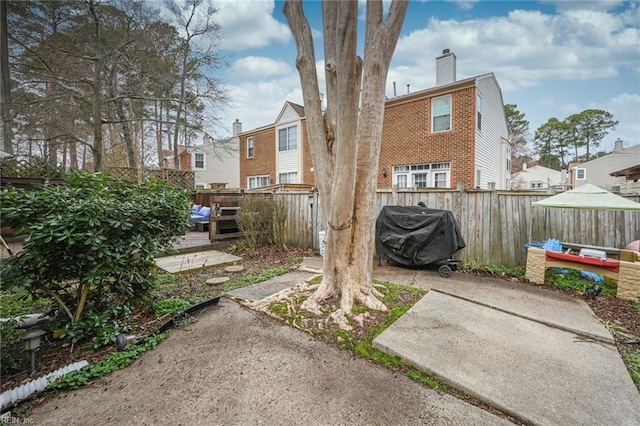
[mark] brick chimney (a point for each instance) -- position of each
(445, 68)
(237, 127)
(618, 146)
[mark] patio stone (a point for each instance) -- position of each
(217, 280)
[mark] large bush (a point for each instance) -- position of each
(90, 243)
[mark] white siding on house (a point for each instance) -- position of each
(489, 153)
(597, 171)
(221, 166)
(539, 174)
(445, 69)
(289, 161)
(288, 114)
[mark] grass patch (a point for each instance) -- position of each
(498, 270)
(359, 340)
(574, 281)
(423, 378)
(637, 304)
(632, 359)
(170, 306)
(254, 278)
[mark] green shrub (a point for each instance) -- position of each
(98, 328)
(573, 280)
(112, 362)
(14, 305)
(92, 241)
(262, 220)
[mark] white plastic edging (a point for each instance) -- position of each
(20, 393)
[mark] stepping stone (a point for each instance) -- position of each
(234, 268)
(217, 280)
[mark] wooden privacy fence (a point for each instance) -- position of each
(494, 224)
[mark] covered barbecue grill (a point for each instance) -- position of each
(417, 236)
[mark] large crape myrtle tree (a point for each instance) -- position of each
(345, 138)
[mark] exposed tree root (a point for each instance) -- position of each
(341, 320)
(313, 301)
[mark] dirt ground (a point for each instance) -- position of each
(235, 366)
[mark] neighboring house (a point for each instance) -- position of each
(453, 133)
(631, 184)
(538, 178)
(167, 158)
(598, 171)
(214, 163)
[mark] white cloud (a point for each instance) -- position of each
(249, 24)
(464, 4)
(526, 48)
(625, 108)
(259, 66)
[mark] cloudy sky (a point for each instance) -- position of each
(551, 58)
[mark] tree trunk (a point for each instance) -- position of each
(5, 103)
(345, 142)
(97, 119)
(158, 117)
(126, 134)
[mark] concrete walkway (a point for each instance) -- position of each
(538, 355)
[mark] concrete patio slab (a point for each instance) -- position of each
(537, 373)
(195, 261)
(535, 303)
(259, 291)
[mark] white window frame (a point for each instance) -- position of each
(289, 177)
(508, 161)
(584, 173)
(257, 181)
(427, 175)
(195, 161)
(288, 145)
(478, 112)
(250, 151)
(536, 184)
(434, 103)
(200, 186)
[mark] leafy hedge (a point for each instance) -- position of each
(91, 242)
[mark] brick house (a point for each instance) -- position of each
(453, 133)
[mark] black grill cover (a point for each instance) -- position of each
(415, 236)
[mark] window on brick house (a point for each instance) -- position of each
(441, 114)
(289, 177)
(249, 147)
(479, 111)
(257, 181)
(433, 175)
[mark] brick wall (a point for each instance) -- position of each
(264, 155)
(307, 162)
(407, 138)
